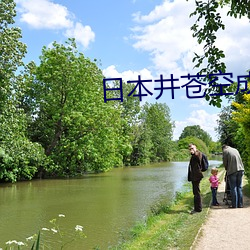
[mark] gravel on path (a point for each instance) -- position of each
(225, 228)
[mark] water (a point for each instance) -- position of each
(104, 204)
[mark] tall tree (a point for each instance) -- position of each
(184, 142)
(227, 127)
(19, 157)
(196, 131)
(242, 116)
(156, 120)
(69, 117)
(130, 109)
(12, 51)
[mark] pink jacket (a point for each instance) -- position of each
(214, 181)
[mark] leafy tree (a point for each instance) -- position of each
(179, 154)
(19, 157)
(207, 24)
(243, 118)
(183, 144)
(196, 131)
(227, 127)
(130, 109)
(157, 124)
(229, 130)
(69, 117)
(215, 147)
(141, 144)
(12, 50)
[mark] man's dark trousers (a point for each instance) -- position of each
(197, 196)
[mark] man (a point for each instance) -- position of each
(235, 169)
(195, 175)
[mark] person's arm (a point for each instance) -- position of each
(210, 179)
(224, 159)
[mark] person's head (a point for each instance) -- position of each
(214, 171)
(192, 148)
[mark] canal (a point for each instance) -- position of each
(105, 204)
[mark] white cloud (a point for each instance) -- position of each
(201, 117)
(234, 41)
(128, 75)
(165, 33)
(44, 14)
(159, 12)
(111, 72)
(83, 34)
(179, 126)
(198, 104)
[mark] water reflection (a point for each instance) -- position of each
(105, 204)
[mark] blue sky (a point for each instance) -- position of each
(137, 37)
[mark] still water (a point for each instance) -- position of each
(104, 204)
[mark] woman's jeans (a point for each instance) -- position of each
(214, 196)
(235, 182)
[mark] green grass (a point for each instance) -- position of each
(170, 226)
(246, 188)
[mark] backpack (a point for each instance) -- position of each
(204, 163)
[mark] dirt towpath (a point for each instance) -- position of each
(225, 228)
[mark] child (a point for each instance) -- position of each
(214, 185)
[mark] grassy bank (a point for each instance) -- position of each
(172, 226)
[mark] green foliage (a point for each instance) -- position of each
(20, 159)
(142, 145)
(170, 226)
(12, 50)
(68, 115)
(201, 146)
(157, 127)
(131, 129)
(242, 116)
(237, 8)
(180, 155)
(205, 29)
(36, 243)
(196, 131)
(215, 147)
(209, 18)
(233, 127)
(227, 127)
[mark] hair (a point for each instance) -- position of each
(214, 170)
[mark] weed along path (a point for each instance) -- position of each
(225, 228)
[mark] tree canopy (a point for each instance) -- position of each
(68, 117)
(201, 146)
(196, 131)
(19, 157)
